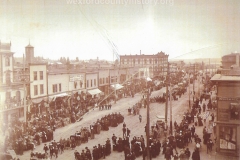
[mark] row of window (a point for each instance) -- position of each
(36, 90)
(35, 74)
(145, 61)
(91, 83)
(56, 88)
(103, 80)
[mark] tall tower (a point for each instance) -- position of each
(29, 52)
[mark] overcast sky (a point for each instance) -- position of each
(88, 28)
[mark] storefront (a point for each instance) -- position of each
(228, 114)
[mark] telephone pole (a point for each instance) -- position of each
(166, 104)
(171, 130)
(193, 81)
(148, 125)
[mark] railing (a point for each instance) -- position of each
(12, 105)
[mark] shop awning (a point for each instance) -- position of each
(53, 97)
(118, 86)
(37, 100)
(94, 91)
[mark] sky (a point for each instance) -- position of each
(102, 28)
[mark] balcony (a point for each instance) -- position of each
(11, 105)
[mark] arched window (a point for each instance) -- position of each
(7, 61)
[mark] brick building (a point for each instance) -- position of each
(156, 63)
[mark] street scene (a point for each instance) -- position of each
(126, 80)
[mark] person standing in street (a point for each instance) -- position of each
(140, 118)
(195, 154)
(124, 131)
(128, 132)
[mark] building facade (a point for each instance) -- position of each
(228, 113)
(11, 92)
(157, 63)
(230, 60)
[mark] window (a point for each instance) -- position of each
(106, 79)
(81, 84)
(234, 111)
(103, 80)
(7, 61)
(8, 96)
(41, 75)
(91, 83)
(227, 137)
(94, 82)
(60, 87)
(41, 89)
(35, 90)
(54, 87)
(35, 75)
(8, 78)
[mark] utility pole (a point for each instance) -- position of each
(170, 89)
(148, 125)
(24, 93)
(189, 103)
(193, 81)
(166, 104)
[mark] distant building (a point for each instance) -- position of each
(29, 52)
(230, 60)
(156, 63)
(230, 65)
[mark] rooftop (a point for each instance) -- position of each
(220, 77)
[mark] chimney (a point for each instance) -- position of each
(237, 59)
(140, 52)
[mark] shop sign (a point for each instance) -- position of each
(73, 78)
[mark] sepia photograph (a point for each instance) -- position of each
(119, 79)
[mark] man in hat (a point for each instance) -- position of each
(45, 148)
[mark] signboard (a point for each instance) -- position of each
(228, 98)
(73, 78)
(223, 114)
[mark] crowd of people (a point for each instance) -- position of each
(81, 136)
(40, 130)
